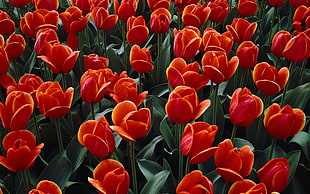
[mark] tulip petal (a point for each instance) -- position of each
(121, 110)
(175, 109)
(97, 146)
(229, 175)
(203, 156)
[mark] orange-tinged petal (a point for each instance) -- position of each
(202, 107)
(229, 175)
(48, 187)
(121, 110)
(203, 156)
(189, 180)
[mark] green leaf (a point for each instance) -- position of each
(239, 143)
(76, 153)
(148, 150)
(30, 63)
(303, 140)
(293, 158)
(167, 132)
(149, 168)
(154, 185)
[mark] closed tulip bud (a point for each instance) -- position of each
(219, 10)
(301, 19)
(95, 62)
(282, 123)
(274, 174)
(298, 48)
(46, 186)
(268, 80)
(84, 5)
(125, 9)
(181, 4)
(19, 3)
(247, 8)
(275, 3)
(241, 29)
(247, 186)
(110, 176)
(184, 99)
(247, 53)
(155, 4)
(140, 59)
(279, 41)
(244, 107)
(137, 31)
(46, 35)
(197, 140)
(15, 46)
(231, 163)
(103, 20)
(195, 15)
(195, 182)
(160, 20)
(7, 25)
(46, 4)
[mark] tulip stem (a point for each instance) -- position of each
(59, 136)
(179, 134)
(92, 109)
(233, 133)
(215, 92)
(159, 40)
(272, 147)
(188, 166)
(302, 69)
(140, 85)
(26, 179)
(286, 86)
(36, 127)
(272, 24)
(16, 72)
(104, 43)
(224, 191)
(131, 146)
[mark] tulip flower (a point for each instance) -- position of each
(125, 9)
(186, 43)
(110, 177)
(15, 46)
(5, 62)
(196, 141)
(282, 123)
(137, 31)
(129, 122)
(301, 19)
(97, 137)
(181, 4)
(19, 3)
(46, 186)
(53, 102)
(297, 48)
(219, 10)
(140, 59)
(103, 20)
(217, 67)
(84, 5)
(233, 164)
(99, 3)
(16, 112)
(21, 150)
(296, 3)
(46, 4)
(155, 4)
(60, 58)
(274, 174)
(48, 35)
(179, 73)
(112, 77)
(241, 29)
(160, 20)
(244, 107)
(195, 182)
(247, 8)
(7, 25)
(247, 186)
(268, 80)
(184, 99)
(275, 3)
(279, 41)
(127, 89)
(95, 62)
(195, 15)
(247, 52)
(93, 85)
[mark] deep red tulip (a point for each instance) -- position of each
(301, 19)
(53, 102)
(241, 29)
(103, 20)
(19, 3)
(155, 4)
(247, 186)
(125, 9)
(213, 41)
(274, 174)
(298, 48)
(15, 46)
(247, 52)
(94, 61)
(84, 5)
(233, 164)
(99, 3)
(282, 123)
(244, 107)
(297, 3)
(46, 4)
(275, 3)
(195, 15)
(181, 74)
(5, 62)
(16, 112)
(184, 99)
(268, 80)
(181, 4)
(45, 187)
(21, 150)
(137, 31)
(60, 58)
(110, 177)
(160, 20)
(279, 41)
(93, 85)
(219, 10)
(7, 25)
(247, 8)
(140, 59)
(7, 80)
(217, 67)
(197, 140)
(46, 35)
(127, 89)
(97, 137)
(195, 182)
(186, 43)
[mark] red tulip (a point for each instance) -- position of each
(84, 5)
(103, 20)
(247, 8)
(181, 74)
(285, 122)
(93, 85)
(275, 3)
(110, 177)
(247, 186)
(197, 140)
(125, 9)
(195, 15)
(233, 164)
(160, 20)
(140, 59)
(279, 41)
(46, 4)
(186, 42)
(46, 186)
(247, 52)
(195, 182)
(60, 58)
(97, 137)
(155, 4)
(274, 174)
(297, 3)
(301, 19)
(112, 77)
(15, 46)
(7, 25)
(268, 80)
(53, 102)
(19, 3)
(95, 62)
(184, 99)
(127, 89)
(5, 62)
(99, 3)
(129, 122)
(137, 31)
(216, 66)
(241, 29)
(219, 10)
(21, 150)
(181, 4)
(297, 48)
(46, 35)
